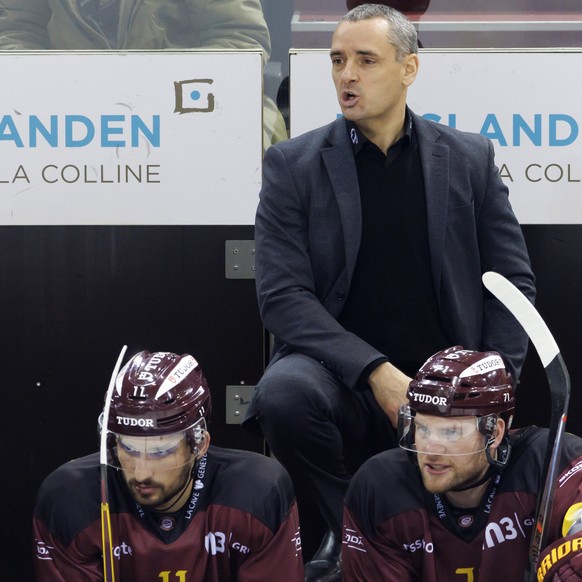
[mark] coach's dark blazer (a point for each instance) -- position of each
(308, 230)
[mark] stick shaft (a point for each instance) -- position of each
(106, 533)
(559, 382)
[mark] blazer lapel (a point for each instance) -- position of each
(339, 162)
(341, 168)
(435, 170)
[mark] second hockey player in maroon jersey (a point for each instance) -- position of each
(457, 501)
(181, 510)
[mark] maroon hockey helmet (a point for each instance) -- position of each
(459, 382)
(158, 393)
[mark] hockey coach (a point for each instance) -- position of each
(178, 509)
(457, 501)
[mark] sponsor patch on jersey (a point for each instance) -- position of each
(43, 550)
(167, 523)
(353, 540)
(566, 476)
(296, 541)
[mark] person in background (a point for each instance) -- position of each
(458, 500)
(180, 508)
(405, 6)
(411, 8)
(372, 234)
(142, 24)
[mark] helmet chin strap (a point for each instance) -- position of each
(501, 459)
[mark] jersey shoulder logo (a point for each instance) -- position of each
(43, 550)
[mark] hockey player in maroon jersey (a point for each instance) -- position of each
(457, 501)
(181, 510)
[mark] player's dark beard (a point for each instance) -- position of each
(176, 491)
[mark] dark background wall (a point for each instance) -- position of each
(72, 296)
(557, 263)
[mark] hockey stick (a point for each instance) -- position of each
(106, 536)
(559, 382)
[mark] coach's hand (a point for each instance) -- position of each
(562, 560)
(389, 386)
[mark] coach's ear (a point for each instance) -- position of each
(410, 65)
(562, 560)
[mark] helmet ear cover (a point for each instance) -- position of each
(196, 435)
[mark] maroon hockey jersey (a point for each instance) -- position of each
(396, 531)
(240, 524)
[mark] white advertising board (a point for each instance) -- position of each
(527, 102)
(130, 138)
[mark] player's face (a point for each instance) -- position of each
(450, 452)
(370, 82)
(156, 469)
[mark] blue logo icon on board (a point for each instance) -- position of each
(194, 96)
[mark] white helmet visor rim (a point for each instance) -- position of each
(443, 435)
(162, 452)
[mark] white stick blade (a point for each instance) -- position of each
(527, 315)
(105, 418)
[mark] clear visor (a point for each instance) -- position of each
(444, 435)
(160, 452)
